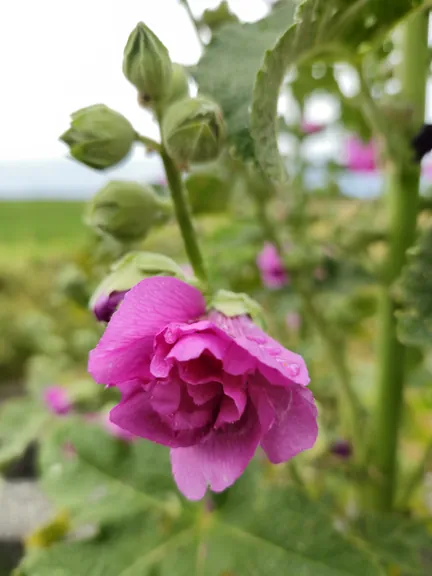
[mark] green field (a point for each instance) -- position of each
(30, 227)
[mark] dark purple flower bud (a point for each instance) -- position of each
(106, 305)
(342, 449)
(422, 142)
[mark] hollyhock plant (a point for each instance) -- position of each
(57, 400)
(210, 387)
(360, 156)
(270, 265)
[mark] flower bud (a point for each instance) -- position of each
(125, 273)
(147, 65)
(237, 304)
(99, 137)
(179, 86)
(193, 130)
(126, 210)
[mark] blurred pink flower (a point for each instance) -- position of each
(57, 400)
(293, 321)
(270, 265)
(360, 156)
(427, 171)
(212, 388)
(311, 127)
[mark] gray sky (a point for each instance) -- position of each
(58, 56)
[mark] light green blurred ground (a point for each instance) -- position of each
(32, 228)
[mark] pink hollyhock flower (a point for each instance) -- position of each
(107, 304)
(116, 431)
(209, 387)
(270, 265)
(57, 400)
(360, 156)
(311, 127)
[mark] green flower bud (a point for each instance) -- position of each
(126, 210)
(179, 87)
(147, 65)
(125, 273)
(99, 137)
(193, 130)
(237, 304)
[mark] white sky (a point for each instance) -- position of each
(57, 56)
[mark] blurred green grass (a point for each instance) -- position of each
(32, 228)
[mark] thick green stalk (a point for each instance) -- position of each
(402, 189)
(184, 217)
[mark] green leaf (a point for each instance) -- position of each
(256, 532)
(21, 421)
(218, 17)
(415, 318)
(208, 193)
(338, 28)
(227, 70)
(99, 478)
(397, 541)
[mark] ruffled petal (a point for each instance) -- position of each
(218, 460)
(295, 427)
(124, 351)
(136, 415)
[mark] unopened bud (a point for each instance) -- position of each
(237, 304)
(124, 274)
(193, 130)
(99, 137)
(179, 86)
(147, 65)
(126, 210)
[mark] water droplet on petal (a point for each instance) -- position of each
(258, 339)
(294, 369)
(172, 335)
(273, 351)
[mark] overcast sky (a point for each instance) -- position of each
(57, 56)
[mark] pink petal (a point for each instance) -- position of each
(136, 415)
(123, 352)
(279, 366)
(203, 393)
(218, 460)
(228, 412)
(165, 396)
(295, 428)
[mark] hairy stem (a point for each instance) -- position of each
(184, 217)
(402, 189)
(194, 21)
(148, 142)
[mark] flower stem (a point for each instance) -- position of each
(184, 217)
(148, 142)
(194, 21)
(402, 195)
